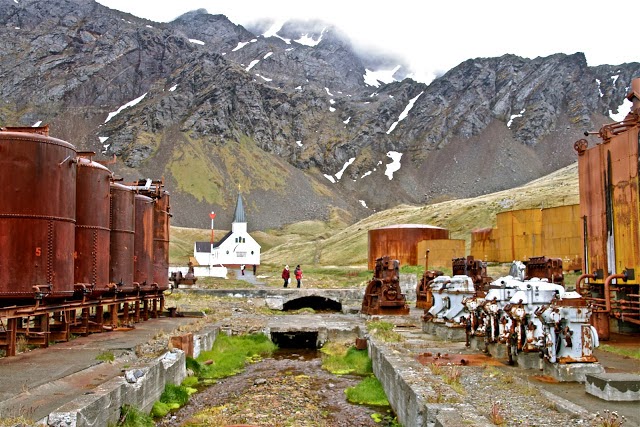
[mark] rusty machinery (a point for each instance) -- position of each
(187, 279)
(424, 298)
(609, 203)
(523, 311)
(62, 221)
(383, 294)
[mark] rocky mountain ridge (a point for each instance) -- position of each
(298, 127)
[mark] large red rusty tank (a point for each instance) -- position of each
(122, 224)
(609, 185)
(161, 217)
(401, 241)
(143, 243)
(91, 266)
(37, 215)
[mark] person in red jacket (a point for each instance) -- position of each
(285, 275)
(298, 274)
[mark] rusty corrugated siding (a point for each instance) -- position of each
(441, 252)
(562, 235)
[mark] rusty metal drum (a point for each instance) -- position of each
(91, 257)
(161, 215)
(122, 236)
(401, 242)
(37, 216)
(143, 243)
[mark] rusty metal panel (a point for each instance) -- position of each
(401, 241)
(92, 241)
(624, 163)
(562, 235)
(143, 243)
(37, 215)
(161, 215)
(441, 252)
(122, 220)
(484, 244)
(591, 174)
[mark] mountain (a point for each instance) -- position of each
(294, 120)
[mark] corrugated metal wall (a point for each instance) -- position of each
(441, 252)
(521, 234)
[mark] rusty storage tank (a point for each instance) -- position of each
(143, 243)
(122, 236)
(37, 215)
(161, 215)
(92, 242)
(401, 242)
(608, 174)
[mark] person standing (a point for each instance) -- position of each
(242, 269)
(298, 273)
(254, 269)
(286, 275)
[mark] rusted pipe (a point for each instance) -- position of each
(607, 284)
(581, 278)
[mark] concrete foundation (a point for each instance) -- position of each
(102, 406)
(614, 386)
(447, 333)
(571, 371)
(410, 396)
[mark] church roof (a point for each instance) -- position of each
(239, 216)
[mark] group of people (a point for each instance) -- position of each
(297, 273)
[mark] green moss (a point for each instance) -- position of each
(634, 353)
(369, 391)
(340, 360)
(106, 356)
(384, 331)
(230, 354)
(190, 381)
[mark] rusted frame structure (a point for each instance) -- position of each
(42, 324)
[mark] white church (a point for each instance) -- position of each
(236, 248)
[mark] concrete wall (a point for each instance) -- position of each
(102, 406)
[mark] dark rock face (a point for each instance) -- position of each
(289, 118)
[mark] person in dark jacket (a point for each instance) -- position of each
(298, 273)
(286, 275)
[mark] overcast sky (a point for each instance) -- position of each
(436, 37)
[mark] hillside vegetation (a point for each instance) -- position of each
(336, 242)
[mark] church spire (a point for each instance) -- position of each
(239, 216)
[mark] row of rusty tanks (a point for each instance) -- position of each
(74, 242)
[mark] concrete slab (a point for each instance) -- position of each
(614, 386)
(38, 382)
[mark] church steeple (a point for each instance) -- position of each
(239, 215)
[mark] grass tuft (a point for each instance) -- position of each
(369, 391)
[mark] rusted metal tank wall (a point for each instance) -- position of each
(161, 215)
(562, 235)
(122, 237)
(483, 244)
(609, 172)
(92, 241)
(143, 243)
(37, 214)
(441, 252)
(591, 172)
(401, 242)
(520, 234)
